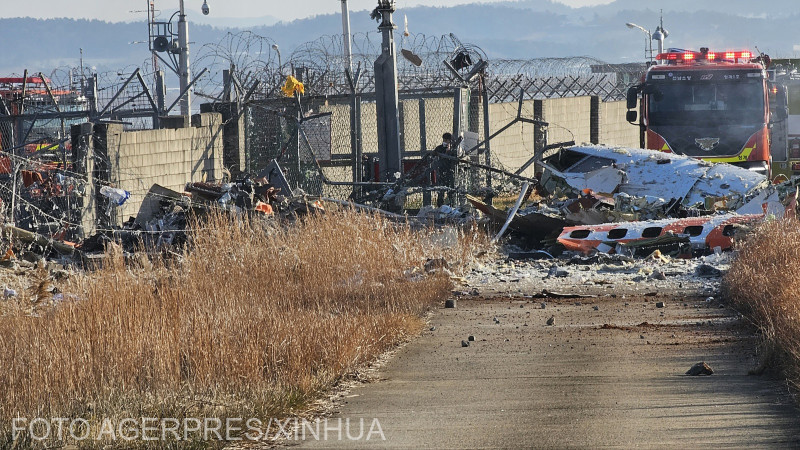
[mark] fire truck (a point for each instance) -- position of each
(714, 106)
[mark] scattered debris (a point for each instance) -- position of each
(707, 271)
(550, 294)
(522, 195)
(556, 272)
(532, 255)
(433, 265)
(532, 224)
(551, 320)
(700, 368)
(465, 343)
(658, 275)
(450, 303)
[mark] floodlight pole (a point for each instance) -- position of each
(387, 96)
(185, 72)
(348, 50)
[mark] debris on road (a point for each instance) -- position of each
(700, 368)
(550, 294)
(706, 271)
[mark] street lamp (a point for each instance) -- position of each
(647, 38)
(280, 65)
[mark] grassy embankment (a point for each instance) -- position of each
(763, 284)
(252, 322)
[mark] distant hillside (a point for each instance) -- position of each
(525, 29)
(42, 45)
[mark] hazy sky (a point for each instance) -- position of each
(130, 10)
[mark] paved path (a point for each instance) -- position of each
(577, 383)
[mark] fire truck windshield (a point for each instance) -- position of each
(689, 103)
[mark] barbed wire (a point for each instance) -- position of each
(321, 63)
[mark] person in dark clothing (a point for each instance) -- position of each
(445, 168)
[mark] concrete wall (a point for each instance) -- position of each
(233, 153)
(514, 146)
(614, 129)
(169, 157)
(569, 119)
(582, 119)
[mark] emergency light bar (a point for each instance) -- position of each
(709, 56)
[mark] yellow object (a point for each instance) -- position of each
(293, 86)
(658, 256)
(732, 159)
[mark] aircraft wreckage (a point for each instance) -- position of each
(615, 199)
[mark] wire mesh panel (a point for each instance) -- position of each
(267, 135)
(316, 134)
(6, 135)
(300, 165)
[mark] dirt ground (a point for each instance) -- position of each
(608, 372)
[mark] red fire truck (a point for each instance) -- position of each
(710, 105)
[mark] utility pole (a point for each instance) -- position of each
(151, 7)
(386, 95)
(348, 50)
(185, 75)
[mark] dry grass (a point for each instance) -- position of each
(252, 322)
(763, 284)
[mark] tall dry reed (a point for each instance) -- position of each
(252, 321)
(764, 285)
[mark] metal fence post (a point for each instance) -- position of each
(423, 137)
(594, 118)
(486, 131)
(355, 140)
(427, 198)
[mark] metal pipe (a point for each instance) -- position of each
(513, 211)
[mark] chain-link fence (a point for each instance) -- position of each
(39, 186)
(325, 149)
(431, 103)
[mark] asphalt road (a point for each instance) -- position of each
(595, 378)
